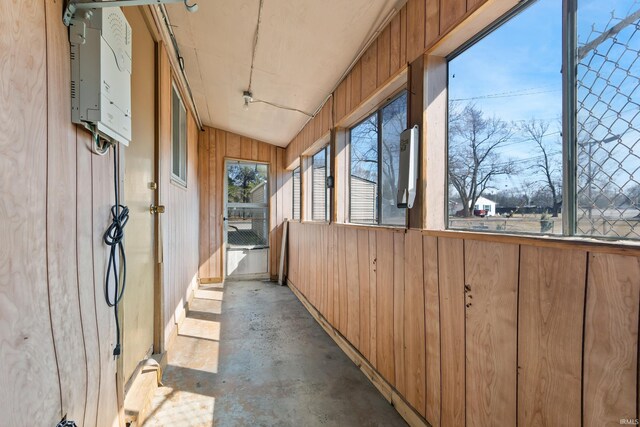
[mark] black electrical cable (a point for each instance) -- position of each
(113, 238)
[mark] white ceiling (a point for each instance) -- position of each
(304, 47)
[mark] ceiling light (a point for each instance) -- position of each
(248, 98)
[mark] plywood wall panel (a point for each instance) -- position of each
(403, 37)
(452, 330)
(432, 24)
(203, 188)
(364, 269)
(343, 295)
(369, 71)
(451, 12)
(399, 348)
(356, 84)
(394, 45)
(102, 190)
(551, 308)
(373, 296)
(610, 390)
(383, 56)
(29, 381)
(384, 307)
(415, 29)
(432, 329)
(414, 325)
(88, 291)
(233, 146)
(61, 193)
(353, 289)
(491, 284)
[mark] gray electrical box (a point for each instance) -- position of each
(101, 72)
(408, 168)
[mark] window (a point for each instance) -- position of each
(320, 193)
(178, 139)
(513, 130)
(296, 193)
(375, 149)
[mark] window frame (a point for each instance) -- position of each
(184, 143)
(327, 153)
(378, 113)
(293, 194)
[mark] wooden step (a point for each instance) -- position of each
(137, 402)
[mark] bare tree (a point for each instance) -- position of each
(548, 163)
(474, 153)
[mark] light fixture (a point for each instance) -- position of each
(248, 98)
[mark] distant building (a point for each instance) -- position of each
(486, 205)
(363, 200)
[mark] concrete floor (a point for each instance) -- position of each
(249, 354)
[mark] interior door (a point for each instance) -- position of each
(139, 192)
(247, 220)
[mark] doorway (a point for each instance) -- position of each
(246, 220)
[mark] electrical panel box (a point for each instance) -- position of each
(408, 170)
(101, 73)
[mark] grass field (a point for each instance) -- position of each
(532, 224)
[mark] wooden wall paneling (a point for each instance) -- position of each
(491, 284)
(203, 187)
(394, 45)
(403, 36)
(373, 260)
(343, 296)
(102, 180)
(28, 375)
(353, 288)
(317, 125)
(369, 71)
(450, 13)
(340, 100)
(610, 389)
(329, 255)
(356, 85)
(414, 325)
(364, 270)
(452, 331)
(233, 145)
(415, 29)
(550, 321)
(384, 55)
(312, 271)
(335, 280)
(474, 4)
(246, 148)
(349, 105)
(89, 292)
(432, 329)
(273, 211)
(61, 238)
(399, 313)
(217, 152)
(417, 217)
(254, 149)
(264, 153)
(432, 22)
(384, 305)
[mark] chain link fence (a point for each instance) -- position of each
(248, 228)
(608, 115)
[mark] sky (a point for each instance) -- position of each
(514, 73)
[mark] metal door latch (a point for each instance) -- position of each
(156, 209)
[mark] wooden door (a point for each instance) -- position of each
(139, 194)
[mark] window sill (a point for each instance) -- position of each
(178, 183)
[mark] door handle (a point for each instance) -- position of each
(153, 209)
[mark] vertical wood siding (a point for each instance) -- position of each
(474, 332)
